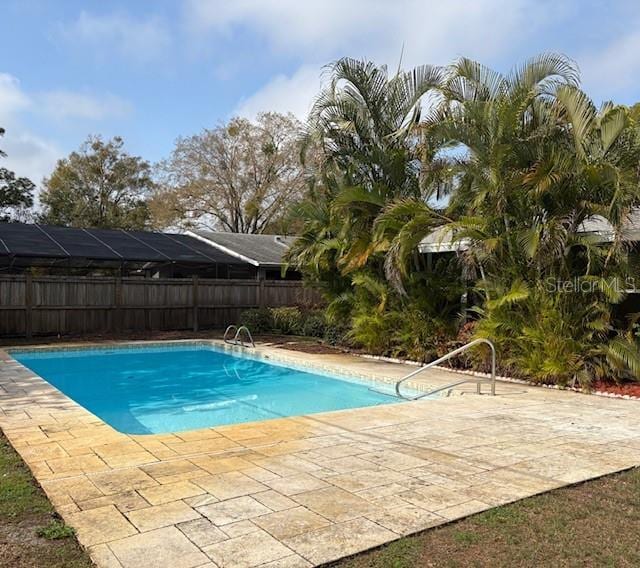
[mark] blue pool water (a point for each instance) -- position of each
(168, 389)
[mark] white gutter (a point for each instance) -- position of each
(444, 246)
(223, 248)
(447, 245)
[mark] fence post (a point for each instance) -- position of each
(117, 302)
(147, 315)
(28, 306)
(195, 303)
(262, 274)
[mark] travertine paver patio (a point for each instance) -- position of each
(301, 491)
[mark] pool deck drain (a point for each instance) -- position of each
(301, 491)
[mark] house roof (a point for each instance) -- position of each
(441, 239)
(104, 245)
(598, 225)
(259, 250)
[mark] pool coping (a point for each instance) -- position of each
(342, 481)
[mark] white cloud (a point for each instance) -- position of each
(141, 40)
(61, 105)
(312, 32)
(284, 23)
(12, 99)
(57, 104)
(284, 94)
(28, 155)
(430, 31)
(33, 155)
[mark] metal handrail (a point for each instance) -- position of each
(229, 328)
(237, 337)
(446, 357)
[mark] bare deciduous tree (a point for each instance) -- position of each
(240, 176)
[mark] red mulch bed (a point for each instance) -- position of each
(629, 389)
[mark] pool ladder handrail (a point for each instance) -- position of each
(477, 380)
(237, 338)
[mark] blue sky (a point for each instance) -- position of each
(151, 71)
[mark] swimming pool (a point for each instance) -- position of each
(153, 390)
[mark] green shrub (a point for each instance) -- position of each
(420, 336)
(257, 320)
(557, 338)
(313, 325)
(336, 335)
(296, 320)
(287, 320)
(373, 331)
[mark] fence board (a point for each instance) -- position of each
(49, 305)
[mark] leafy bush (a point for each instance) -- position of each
(418, 336)
(257, 320)
(287, 320)
(373, 331)
(557, 337)
(314, 324)
(477, 359)
(336, 335)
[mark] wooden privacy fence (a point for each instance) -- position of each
(49, 305)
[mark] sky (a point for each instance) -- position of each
(151, 71)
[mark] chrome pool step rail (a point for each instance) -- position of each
(237, 338)
(477, 380)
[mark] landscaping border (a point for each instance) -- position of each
(499, 377)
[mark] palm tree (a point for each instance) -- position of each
(363, 123)
(528, 162)
(491, 121)
(362, 127)
(500, 122)
(538, 162)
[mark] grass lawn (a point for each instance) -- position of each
(31, 535)
(596, 523)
